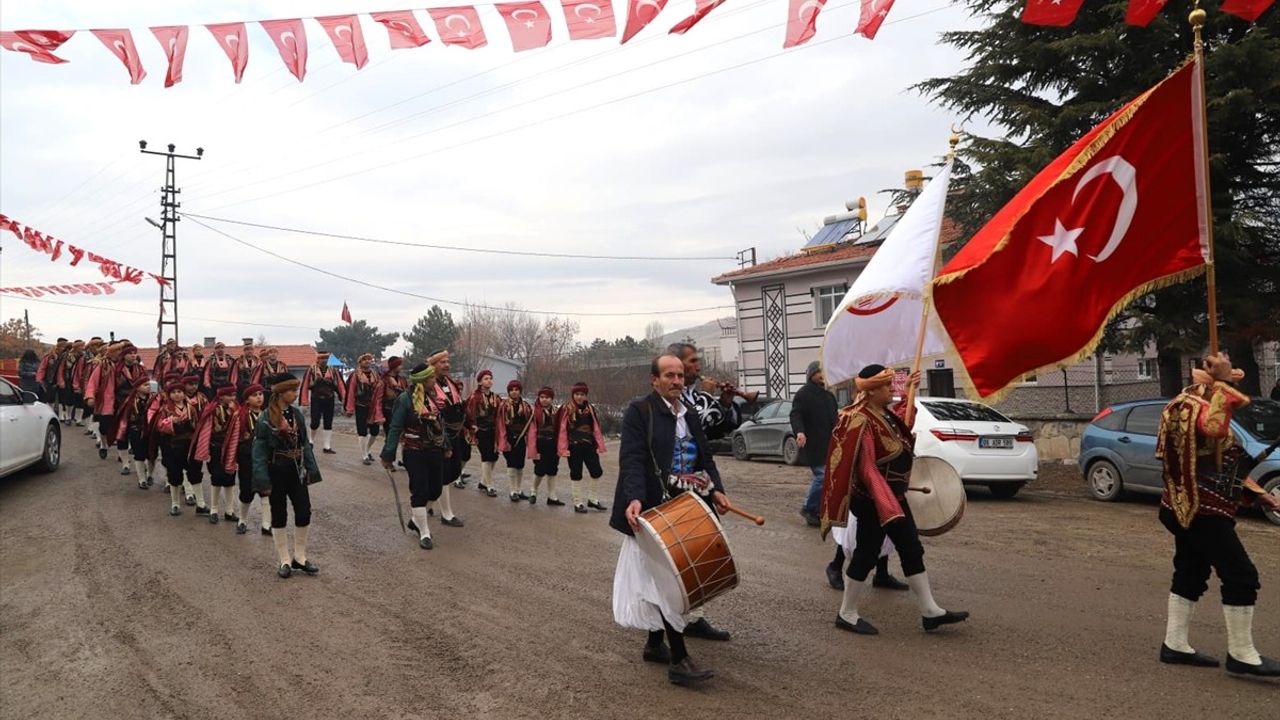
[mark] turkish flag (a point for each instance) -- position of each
(346, 314)
(402, 28)
(639, 14)
(802, 21)
(528, 23)
(39, 44)
(1142, 12)
(701, 10)
(459, 26)
(1246, 9)
(230, 37)
(871, 16)
(173, 38)
(120, 43)
(589, 19)
(1118, 215)
(1057, 13)
(290, 38)
(348, 39)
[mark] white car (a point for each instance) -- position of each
(985, 447)
(29, 432)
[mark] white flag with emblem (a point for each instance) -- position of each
(878, 321)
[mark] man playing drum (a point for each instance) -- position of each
(660, 436)
(868, 468)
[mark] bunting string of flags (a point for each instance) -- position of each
(57, 250)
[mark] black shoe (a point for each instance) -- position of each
(392, 468)
(102, 453)
(454, 521)
(463, 478)
(213, 518)
(190, 500)
(329, 451)
(400, 463)
(284, 570)
(425, 543)
(533, 499)
(204, 511)
(125, 471)
(491, 492)
(598, 506)
(686, 673)
(835, 578)
(175, 510)
(580, 508)
(412, 526)
(1195, 659)
(946, 618)
(482, 487)
(367, 461)
(704, 630)
(555, 503)
(150, 481)
(515, 497)
(230, 518)
(142, 484)
(888, 582)
(459, 484)
(524, 495)
(657, 654)
(810, 519)
(307, 567)
(862, 627)
(266, 531)
(241, 528)
(431, 512)
(1268, 667)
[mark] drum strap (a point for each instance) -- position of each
(657, 471)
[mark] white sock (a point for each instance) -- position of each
(853, 591)
(266, 511)
(1240, 634)
(446, 504)
(551, 488)
(198, 490)
(175, 496)
(537, 483)
(140, 468)
(923, 595)
(120, 456)
(280, 537)
(244, 513)
(364, 446)
(1179, 623)
(186, 487)
(328, 439)
(519, 479)
(486, 474)
(420, 519)
(592, 485)
(151, 468)
(513, 485)
(577, 491)
(300, 543)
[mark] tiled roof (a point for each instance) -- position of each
(848, 252)
(295, 356)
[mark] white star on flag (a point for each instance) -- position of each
(1062, 240)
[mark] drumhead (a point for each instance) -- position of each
(941, 509)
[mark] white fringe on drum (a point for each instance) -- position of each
(847, 538)
(637, 603)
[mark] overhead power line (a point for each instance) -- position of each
(99, 308)
(444, 301)
(491, 251)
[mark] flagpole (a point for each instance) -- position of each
(1197, 20)
(924, 304)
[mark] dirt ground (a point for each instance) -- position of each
(111, 609)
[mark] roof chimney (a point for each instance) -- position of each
(209, 341)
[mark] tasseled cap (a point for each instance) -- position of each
(483, 374)
(580, 387)
(547, 391)
(254, 388)
(515, 385)
(228, 391)
(394, 363)
(365, 356)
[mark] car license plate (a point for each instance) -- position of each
(996, 443)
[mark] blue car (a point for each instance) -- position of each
(1118, 448)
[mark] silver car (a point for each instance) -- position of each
(767, 432)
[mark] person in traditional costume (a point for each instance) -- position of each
(482, 424)
(65, 382)
(239, 456)
(868, 471)
(249, 369)
(270, 366)
(176, 425)
(363, 399)
(284, 467)
(191, 386)
(1205, 482)
(581, 441)
(80, 378)
(446, 393)
(389, 390)
(322, 387)
(542, 448)
(199, 364)
(128, 371)
(161, 366)
(417, 429)
(218, 370)
(215, 429)
(98, 388)
(514, 416)
(132, 426)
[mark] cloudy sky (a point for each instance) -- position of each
(673, 146)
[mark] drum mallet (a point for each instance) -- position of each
(921, 490)
(753, 518)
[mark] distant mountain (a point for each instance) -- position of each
(704, 335)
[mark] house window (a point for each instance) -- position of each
(825, 301)
(1146, 369)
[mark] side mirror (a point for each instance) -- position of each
(28, 397)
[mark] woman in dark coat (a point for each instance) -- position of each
(27, 366)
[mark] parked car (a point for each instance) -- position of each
(985, 447)
(29, 431)
(1118, 448)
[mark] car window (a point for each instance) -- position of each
(1144, 420)
(784, 409)
(1114, 420)
(963, 412)
(8, 395)
(768, 411)
(1261, 419)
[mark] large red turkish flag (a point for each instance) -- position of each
(347, 37)
(1059, 13)
(120, 43)
(528, 23)
(1246, 9)
(1142, 12)
(1119, 214)
(290, 39)
(231, 39)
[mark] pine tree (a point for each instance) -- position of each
(348, 342)
(433, 331)
(1045, 87)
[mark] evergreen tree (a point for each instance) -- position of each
(432, 332)
(1045, 87)
(348, 342)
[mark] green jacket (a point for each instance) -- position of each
(401, 413)
(266, 441)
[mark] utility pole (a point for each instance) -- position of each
(169, 249)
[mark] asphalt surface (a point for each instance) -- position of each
(109, 608)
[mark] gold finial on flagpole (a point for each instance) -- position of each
(953, 141)
(1197, 19)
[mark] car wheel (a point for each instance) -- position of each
(1004, 491)
(1273, 486)
(1104, 481)
(790, 451)
(740, 448)
(52, 448)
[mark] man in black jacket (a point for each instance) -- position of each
(813, 417)
(676, 445)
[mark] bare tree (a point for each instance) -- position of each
(653, 332)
